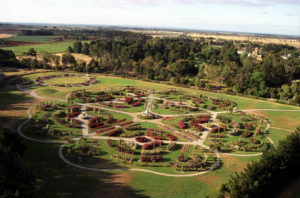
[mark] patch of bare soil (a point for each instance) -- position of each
(5, 36)
(78, 57)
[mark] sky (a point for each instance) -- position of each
(258, 16)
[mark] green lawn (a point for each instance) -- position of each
(49, 47)
(66, 80)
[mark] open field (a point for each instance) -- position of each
(50, 47)
(57, 179)
(38, 39)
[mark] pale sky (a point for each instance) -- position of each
(261, 16)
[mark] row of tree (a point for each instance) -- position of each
(201, 63)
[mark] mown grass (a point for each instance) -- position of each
(66, 80)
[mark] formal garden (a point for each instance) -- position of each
(111, 127)
(176, 101)
(236, 132)
(128, 99)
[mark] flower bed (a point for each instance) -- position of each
(171, 137)
(152, 145)
(141, 139)
(95, 122)
(147, 159)
(181, 124)
(115, 132)
(118, 121)
(126, 123)
(216, 129)
(153, 135)
(129, 100)
(136, 104)
(104, 130)
(102, 126)
(72, 115)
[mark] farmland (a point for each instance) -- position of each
(48, 47)
(38, 39)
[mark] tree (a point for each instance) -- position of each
(85, 49)
(183, 67)
(31, 52)
(68, 59)
(8, 58)
(55, 59)
(77, 46)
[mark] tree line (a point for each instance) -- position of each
(203, 63)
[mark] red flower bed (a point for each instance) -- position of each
(153, 135)
(196, 123)
(96, 125)
(157, 158)
(104, 130)
(77, 121)
(129, 100)
(139, 94)
(95, 122)
(141, 139)
(181, 124)
(126, 123)
(152, 145)
(102, 125)
(72, 115)
(103, 97)
(118, 121)
(216, 129)
(171, 137)
(136, 104)
(115, 132)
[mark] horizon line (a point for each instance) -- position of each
(154, 27)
